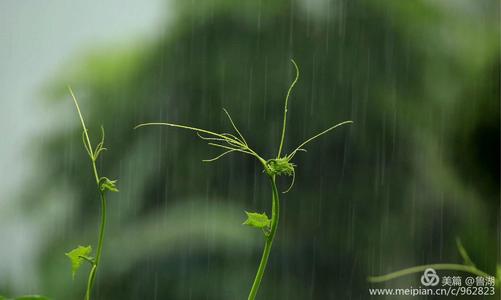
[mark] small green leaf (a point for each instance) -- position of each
(109, 185)
(78, 256)
(257, 220)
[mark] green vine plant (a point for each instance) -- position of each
(281, 165)
(82, 254)
(467, 266)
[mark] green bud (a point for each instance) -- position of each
(280, 166)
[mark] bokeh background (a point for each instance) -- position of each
(419, 168)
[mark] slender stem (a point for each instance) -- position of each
(275, 212)
(87, 139)
(260, 270)
(416, 269)
(92, 274)
(89, 282)
(93, 157)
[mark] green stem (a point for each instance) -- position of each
(93, 157)
(92, 274)
(275, 212)
(285, 108)
(89, 282)
(416, 269)
(87, 139)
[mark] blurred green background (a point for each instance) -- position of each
(419, 167)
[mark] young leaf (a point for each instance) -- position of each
(109, 185)
(77, 257)
(257, 220)
(280, 166)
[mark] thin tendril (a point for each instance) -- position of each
(285, 108)
(210, 138)
(85, 144)
(316, 136)
(234, 126)
(292, 183)
(229, 141)
(89, 145)
(223, 136)
(98, 151)
(219, 156)
(230, 148)
(233, 137)
(101, 143)
(227, 137)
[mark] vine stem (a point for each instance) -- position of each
(275, 212)
(93, 157)
(92, 274)
(89, 282)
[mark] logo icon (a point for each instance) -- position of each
(430, 277)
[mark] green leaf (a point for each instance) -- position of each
(257, 220)
(78, 256)
(109, 185)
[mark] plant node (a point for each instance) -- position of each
(279, 166)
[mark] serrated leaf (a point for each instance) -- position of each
(257, 220)
(77, 257)
(109, 185)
